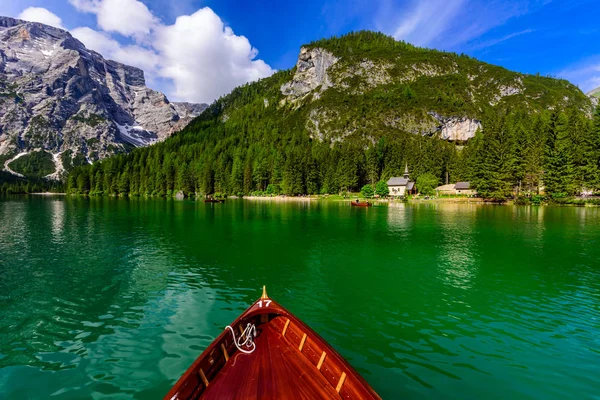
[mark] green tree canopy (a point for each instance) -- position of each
(426, 184)
(367, 191)
(381, 189)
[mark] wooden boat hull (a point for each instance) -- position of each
(214, 201)
(290, 361)
(361, 204)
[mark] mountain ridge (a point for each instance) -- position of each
(594, 95)
(359, 108)
(64, 101)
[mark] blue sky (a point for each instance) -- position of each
(198, 50)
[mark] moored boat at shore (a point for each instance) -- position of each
(361, 203)
(214, 200)
(268, 353)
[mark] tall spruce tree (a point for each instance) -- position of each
(534, 154)
(593, 165)
(558, 174)
(494, 177)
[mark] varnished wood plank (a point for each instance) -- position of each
(201, 373)
(320, 364)
(248, 380)
(341, 382)
(302, 342)
(310, 385)
(287, 323)
(225, 352)
(267, 383)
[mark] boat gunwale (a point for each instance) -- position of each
(275, 308)
(361, 204)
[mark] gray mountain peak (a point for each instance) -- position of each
(59, 97)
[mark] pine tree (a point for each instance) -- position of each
(593, 166)
(494, 176)
(558, 177)
(534, 154)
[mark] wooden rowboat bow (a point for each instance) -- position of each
(268, 353)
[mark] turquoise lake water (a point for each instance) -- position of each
(114, 298)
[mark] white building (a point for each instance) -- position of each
(399, 187)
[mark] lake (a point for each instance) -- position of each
(116, 298)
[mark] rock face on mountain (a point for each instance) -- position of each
(311, 73)
(594, 95)
(365, 85)
(58, 97)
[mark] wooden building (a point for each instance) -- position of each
(455, 189)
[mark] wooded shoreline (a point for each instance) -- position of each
(574, 202)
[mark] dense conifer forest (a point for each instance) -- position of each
(514, 152)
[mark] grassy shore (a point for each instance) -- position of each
(353, 196)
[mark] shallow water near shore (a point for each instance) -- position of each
(116, 297)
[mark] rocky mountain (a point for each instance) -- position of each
(63, 105)
(354, 110)
(594, 95)
(392, 85)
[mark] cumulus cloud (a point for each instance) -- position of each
(127, 17)
(97, 41)
(111, 49)
(200, 52)
(199, 55)
(39, 14)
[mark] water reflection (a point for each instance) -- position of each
(427, 301)
(57, 214)
(457, 261)
(399, 218)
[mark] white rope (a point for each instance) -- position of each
(250, 333)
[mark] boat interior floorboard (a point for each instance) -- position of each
(275, 370)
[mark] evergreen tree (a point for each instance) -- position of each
(593, 165)
(494, 175)
(558, 177)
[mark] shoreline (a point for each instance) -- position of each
(339, 199)
(462, 200)
(278, 198)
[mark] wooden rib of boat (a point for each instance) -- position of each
(214, 201)
(289, 361)
(361, 204)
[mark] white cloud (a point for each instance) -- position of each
(85, 5)
(427, 21)
(493, 42)
(127, 17)
(39, 14)
(97, 41)
(204, 58)
(111, 49)
(447, 24)
(199, 55)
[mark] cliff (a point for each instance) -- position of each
(66, 101)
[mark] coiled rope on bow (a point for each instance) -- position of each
(249, 333)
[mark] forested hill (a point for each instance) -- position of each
(356, 109)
